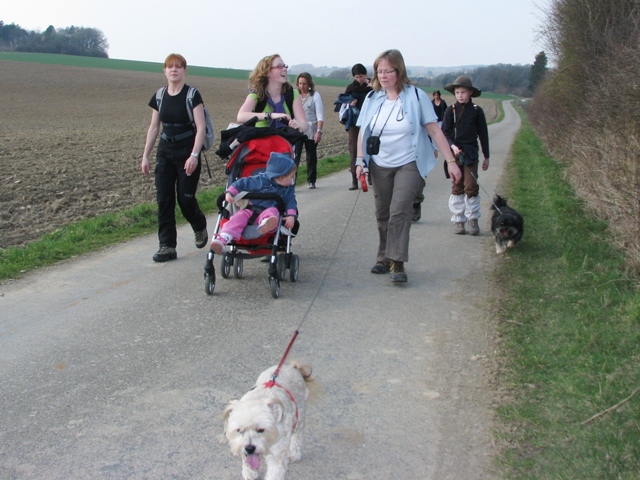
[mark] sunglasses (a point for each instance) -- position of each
(280, 66)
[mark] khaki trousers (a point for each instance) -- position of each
(395, 191)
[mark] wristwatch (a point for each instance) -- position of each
(319, 131)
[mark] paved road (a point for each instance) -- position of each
(114, 367)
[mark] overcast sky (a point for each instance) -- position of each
(237, 33)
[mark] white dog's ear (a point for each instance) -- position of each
(228, 410)
(277, 407)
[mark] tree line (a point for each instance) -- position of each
(519, 80)
(88, 42)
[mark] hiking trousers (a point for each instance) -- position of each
(395, 191)
(173, 183)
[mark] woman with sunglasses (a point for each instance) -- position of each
(398, 135)
(270, 89)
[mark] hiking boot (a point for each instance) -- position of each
(354, 184)
(165, 254)
(398, 274)
(380, 267)
(218, 243)
(417, 212)
(201, 238)
(458, 228)
(474, 229)
(268, 225)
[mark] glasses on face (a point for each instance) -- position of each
(280, 66)
(385, 72)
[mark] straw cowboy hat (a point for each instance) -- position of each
(463, 81)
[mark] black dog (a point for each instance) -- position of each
(507, 225)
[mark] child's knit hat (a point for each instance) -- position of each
(463, 81)
(279, 164)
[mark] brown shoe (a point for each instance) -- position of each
(380, 267)
(398, 275)
(458, 228)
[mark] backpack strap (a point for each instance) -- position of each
(190, 94)
(160, 96)
(288, 100)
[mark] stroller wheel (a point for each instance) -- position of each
(225, 265)
(209, 283)
(274, 283)
(294, 266)
(238, 267)
(282, 265)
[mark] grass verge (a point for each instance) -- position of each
(96, 233)
(570, 322)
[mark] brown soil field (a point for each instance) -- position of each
(71, 141)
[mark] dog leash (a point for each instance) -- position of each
(487, 193)
(324, 277)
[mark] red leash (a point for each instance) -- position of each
(273, 383)
(286, 354)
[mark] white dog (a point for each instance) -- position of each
(266, 422)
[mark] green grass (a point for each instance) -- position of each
(570, 321)
(154, 67)
(98, 232)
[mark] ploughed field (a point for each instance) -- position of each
(71, 141)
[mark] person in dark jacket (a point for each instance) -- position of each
(463, 125)
(358, 89)
(439, 106)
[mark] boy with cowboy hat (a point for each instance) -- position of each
(463, 125)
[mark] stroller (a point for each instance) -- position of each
(249, 157)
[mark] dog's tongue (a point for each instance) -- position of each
(253, 461)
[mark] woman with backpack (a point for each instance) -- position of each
(177, 170)
(272, 100)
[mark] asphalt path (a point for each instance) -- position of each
(114, 367)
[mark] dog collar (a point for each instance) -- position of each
(271, 384)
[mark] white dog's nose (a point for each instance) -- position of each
(250, 449)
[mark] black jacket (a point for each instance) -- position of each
(468, 126)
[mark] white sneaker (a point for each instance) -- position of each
(218, 243)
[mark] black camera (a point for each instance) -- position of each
(373, 145)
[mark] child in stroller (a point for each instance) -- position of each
(279, 179)
(261, 171)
